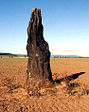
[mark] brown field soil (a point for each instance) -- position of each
(71, 96)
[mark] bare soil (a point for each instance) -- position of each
(64, 96)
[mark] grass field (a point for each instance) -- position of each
(13, 75)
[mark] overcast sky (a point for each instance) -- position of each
(66, 25)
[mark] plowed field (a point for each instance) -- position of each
(14, 96)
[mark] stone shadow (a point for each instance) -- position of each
(71, 77)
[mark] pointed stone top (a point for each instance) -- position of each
(36, 12)
(36, 9)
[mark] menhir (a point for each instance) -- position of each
(37, 48)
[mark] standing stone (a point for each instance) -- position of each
(37, 48)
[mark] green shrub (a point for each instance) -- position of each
(87, 92)
(15, 86)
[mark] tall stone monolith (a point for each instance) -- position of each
(37, 48)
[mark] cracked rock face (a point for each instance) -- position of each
(37, 48)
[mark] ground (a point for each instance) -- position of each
(14, 96)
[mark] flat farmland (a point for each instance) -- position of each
(14, 97)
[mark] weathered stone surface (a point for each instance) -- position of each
(37, 48)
